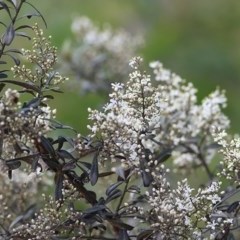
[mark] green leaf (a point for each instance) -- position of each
(59, 186)
(94, 170)
(22, 84)
(145, 234)
(147, 178)
(113, 187)
(8, 36)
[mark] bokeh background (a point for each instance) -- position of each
(199, 40)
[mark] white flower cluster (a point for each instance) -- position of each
(183, 213)
(20, 126)
(99, 55)
(154, 114)
(230, 149)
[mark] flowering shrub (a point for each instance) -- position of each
(116, 182)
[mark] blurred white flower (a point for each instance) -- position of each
(98, 56)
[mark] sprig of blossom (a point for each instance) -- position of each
(43, 56)
(98, 56)
(141, 117)
(230, 164)
(181, 212)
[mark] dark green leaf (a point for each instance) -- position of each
(94, 209)
(164, 155)
(104, 174)
(50, 77)
(147, 178)
(33, 103)
(59, 125)
(22, 84)
(145, 234)
(10, 174)
(123, 235)
(13, 164)
(69, 166)
(114, 194)
(15, 59)
(8, 36)
(59, 186)
(94, 170)
(86, 164)
(134, 188)
(112, 187)
(120, 172)
(212, 146)
(56, 90)
(1, 85)
(23, 34)
(233, 207)
(15, 221)
(3, 75)
(13, 51)
(23, 27)
(119, 224)
(47, 146)
(26, 215)
(65, 155)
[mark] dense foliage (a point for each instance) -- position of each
(116, 182)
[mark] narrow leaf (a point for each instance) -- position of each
(95, 209)
(65, 155)
(69, 166)
(47, 146)
(34, 103)
(50, 77)
(123, 235)
(22, 34)
(3, 75)
(112, 187)
(164, 155)
(13, 164)
(114, 194)
(134, 188)
(59, 186)
(119, 224)
(1, 85)
(22, 84)
(233, 207)
(15, 59)
(147, 178)
(94, 170)
(8, 36)
(13, 51)
(23, 27)
(104, 174)
(86, 164)
(145, 234)
(120, 173)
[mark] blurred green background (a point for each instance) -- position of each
(199, 40)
